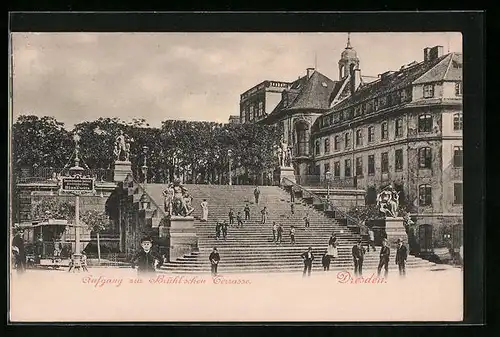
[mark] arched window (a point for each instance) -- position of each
(425, 123)
(336, 143)
(457, 121)
(371, 134)
(316, 147)
(384, 131)
(425, 157)
(359, 137)
(303, 135)
(347, 140)
(425, 195)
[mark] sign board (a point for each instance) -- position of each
(77, 184)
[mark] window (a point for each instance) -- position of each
(261, 108)
(359, 166)
(458, 194)
(359, 137)
(385, 162)
(251, 112)
(347, 140)
(384, 131)
(458, 123)
(336, 143)
(458, 156)
(327, 145)
(336, 169)
(350, 113)
(341, 116)
(375, 104)
(326, 166)
(425, 195)
(371, 134)
(316, 147)
(398, 164)
(399, 127)
(371, 164)
(458, 89)
(425, 157)
(347, 168)
(428, 90)
(425, 123)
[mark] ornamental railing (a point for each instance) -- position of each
(321, 181)
(50, 174)
(327, 205)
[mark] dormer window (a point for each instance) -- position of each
(428, 90)
(458, 89)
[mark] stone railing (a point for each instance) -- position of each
(321, 181)
(50, 174)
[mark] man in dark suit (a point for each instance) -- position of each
(214, 261)
(401, 256)
(146, 260)
(308, 258)
(358, 254)
(19, 252)
(385, 253)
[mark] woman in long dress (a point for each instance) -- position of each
(332, 250)
(204, 210)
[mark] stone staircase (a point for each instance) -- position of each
(250, 248)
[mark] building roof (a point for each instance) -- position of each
(423, 72)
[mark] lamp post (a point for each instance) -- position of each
(229, 155)
(77, 171)
(145, 166)
(328, 176)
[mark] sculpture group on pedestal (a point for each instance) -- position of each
(122, 148)
(285, 154)
(177, 200)
(388, 201)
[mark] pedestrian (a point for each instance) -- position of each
(217, 230)
(239, 220)
(371, 241)
(146, 260)
(308, 258)
(224, 229)
(326, 261)
(332, 250)
(385, 253)
(275, 231)
(231, 216)
(264, 215)
(214, 261)
(19, 251)
(256, 193)
(280, 234)
(247, 212)
(292, 195)
(204, 210)
(306, 220)
(84, 261)
(401, 256)
(292, 235)
(292, 206)
(358, 253)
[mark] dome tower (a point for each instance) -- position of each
(348, 60)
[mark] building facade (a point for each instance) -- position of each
(257, 102)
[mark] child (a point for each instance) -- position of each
(275, 230)
(231, 216)
(217, 230)
(224, 229)
(84, 261)
(264, 214)
(145, 260)
(326, 261)
(238, 219)
(280, 234)
(306, 220)
(292, 235)
(292, 208)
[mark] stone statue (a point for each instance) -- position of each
(283, 153)
(122, 147)
(388, 201)
(289, 157)
(175, 199)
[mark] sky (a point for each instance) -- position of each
(76, 77)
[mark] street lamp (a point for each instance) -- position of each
(229, 154)
(328, 176)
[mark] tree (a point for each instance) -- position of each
(53, 208)
(96, 221)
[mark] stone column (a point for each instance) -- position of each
(179, 235)
(121, 170)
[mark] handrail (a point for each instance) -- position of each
(349, 219)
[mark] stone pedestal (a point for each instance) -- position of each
(287, 172)
(121, 170)
(179, 235)
(395, 229)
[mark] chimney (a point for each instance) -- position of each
(310, 71)
(436, 52)
(427, 54)
(385, 75)
(355, 79)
